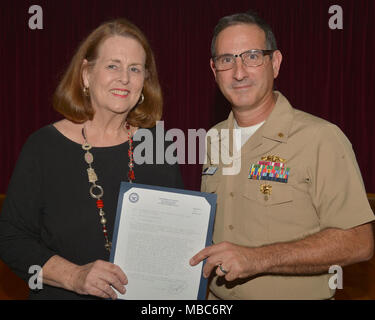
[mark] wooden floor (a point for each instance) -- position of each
(358, 280)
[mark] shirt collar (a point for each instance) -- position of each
(278, 123)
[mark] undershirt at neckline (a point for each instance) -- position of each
(244, 133)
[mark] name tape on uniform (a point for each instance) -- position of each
(209, 170)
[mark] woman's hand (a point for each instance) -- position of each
(98, 278)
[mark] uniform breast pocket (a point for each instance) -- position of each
(277, 194)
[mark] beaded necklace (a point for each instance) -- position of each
(89, 158)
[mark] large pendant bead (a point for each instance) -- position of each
(89, 158)
(92, 175)
(99, 204)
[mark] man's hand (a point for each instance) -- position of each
(237, 261)
(311, 255)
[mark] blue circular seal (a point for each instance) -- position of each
(133, 197)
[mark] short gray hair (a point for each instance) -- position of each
(249, 17)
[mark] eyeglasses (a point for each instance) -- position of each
(251, 58)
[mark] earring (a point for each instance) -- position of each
(86, 91)
(141, 99)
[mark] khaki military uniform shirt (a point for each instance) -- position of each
(324, 190)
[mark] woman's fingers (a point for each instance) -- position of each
(102, 289)
(114, 281)
(99, 277)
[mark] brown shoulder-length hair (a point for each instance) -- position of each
(69, 98)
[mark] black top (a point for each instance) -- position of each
(48, 209)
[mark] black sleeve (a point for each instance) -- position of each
(21, 216)
(178, 178)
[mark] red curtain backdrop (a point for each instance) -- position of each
(329, 73)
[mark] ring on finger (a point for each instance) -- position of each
(222, 269)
